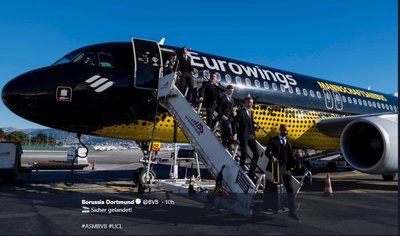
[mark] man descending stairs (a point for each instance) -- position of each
(239, 189)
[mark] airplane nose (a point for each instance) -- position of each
(18, 96)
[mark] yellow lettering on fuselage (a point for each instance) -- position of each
(357, 92)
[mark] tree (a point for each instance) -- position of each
(17, 136)
(2, 135)
(42, 139)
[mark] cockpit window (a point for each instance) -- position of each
(68, 58)
(106, 60)
(86, 58)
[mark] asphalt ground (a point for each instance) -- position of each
(360, 204)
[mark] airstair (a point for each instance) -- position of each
(234, 189)
(239, 188)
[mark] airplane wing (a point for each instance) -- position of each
(334, 126)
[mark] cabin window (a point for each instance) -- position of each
(312, 93)
(206, 74)
(355, 101)
(238, 80)
(106, 60)
(257, 83)
(369, 103)
(364, 103)
(337, 97)
(298, 91)
(374, 104)
(344, 99)
(274, 87)
(290, 89)
(228, 78)
(248, 82)
(391, 107)
(283, 88)
(360, 102)
(387, 107)
(305, 92)
(379, 105)
(349, 100)
(266, 85)
(218, 76)
(318, 94)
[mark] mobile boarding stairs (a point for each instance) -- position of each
(234, 188)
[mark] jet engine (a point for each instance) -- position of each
(370, 144)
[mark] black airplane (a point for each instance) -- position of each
(109, 90)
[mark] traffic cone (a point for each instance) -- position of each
(328, 186)
(94, 165)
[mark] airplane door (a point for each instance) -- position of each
(328, 99)
(338, 101)
(148, 63)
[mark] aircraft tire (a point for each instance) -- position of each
(135, 175)
(142, 176)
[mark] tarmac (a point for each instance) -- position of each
(360, 204)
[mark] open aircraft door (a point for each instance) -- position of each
(148, 63)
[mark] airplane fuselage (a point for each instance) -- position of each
(100, 97)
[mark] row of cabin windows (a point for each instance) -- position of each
(305, 92)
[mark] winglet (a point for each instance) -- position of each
(162, 41)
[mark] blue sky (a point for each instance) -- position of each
(349, 41)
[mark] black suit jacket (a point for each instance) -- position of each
(185, 65)
(284, 154)
(209, 93)
(225, 107)
(244, 125)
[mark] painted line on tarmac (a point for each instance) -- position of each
(62, 187)
(338, 176)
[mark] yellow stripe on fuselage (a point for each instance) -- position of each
(302, 129)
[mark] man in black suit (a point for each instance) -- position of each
(209, 95)
(226, 114)
(279, 150)
(185, 73)
(244, 130)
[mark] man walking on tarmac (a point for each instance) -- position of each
(279, 151)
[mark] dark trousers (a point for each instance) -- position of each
(287, 181)
(180, 84)
(226, 133)
(250, 142)
(210, 108)
(194, 96)
(187, 79)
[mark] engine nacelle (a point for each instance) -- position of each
(370, 145)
